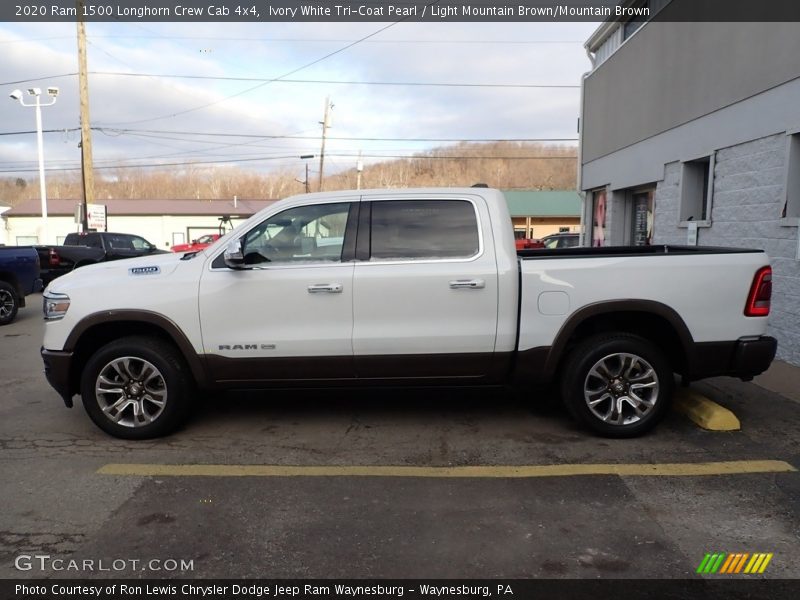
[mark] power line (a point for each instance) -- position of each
(119, 131)
(260, 85)
(169, 135)
(266, 158)
(334, 82)
(65, 130)
(283, 80)
(338, 40)
(38, 78)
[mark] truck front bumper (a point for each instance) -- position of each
(744, 358)
(57, 370)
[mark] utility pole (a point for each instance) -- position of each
(305, 182)
(87, 166)
(359, 169)
(325, 124)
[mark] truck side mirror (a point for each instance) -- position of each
(234, 254)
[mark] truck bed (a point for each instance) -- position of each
(615, 251)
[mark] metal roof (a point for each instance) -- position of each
(118, 208)
(544, 204)
(520, 204)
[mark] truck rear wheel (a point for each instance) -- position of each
(136, 388)
(9, 303)
(618, 385)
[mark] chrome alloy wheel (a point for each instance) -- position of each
(6, 304)
(621, 388)
(131, 391)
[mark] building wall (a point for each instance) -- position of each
(770, 112)
(677, 92)
(538, 227)
(748, 195)
(747, 202)
(668, 74)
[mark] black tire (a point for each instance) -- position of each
(9, 303)
(627, 379)
(149, 371)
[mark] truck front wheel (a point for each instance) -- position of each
(618, 385)
(136, 388)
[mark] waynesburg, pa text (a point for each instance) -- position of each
(251, 590)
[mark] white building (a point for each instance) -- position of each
(165, 223)
(3, 236)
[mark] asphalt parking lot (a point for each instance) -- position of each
(285, 499)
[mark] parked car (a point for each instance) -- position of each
(528, 243)
(204, 241)
(561, 240)
(420, 286)
(19, 276)
(81, 249)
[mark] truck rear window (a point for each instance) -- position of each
(423, 229)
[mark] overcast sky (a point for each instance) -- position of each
(522, 54)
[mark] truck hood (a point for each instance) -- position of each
(155, 266)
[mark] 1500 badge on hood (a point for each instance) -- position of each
(151, 270)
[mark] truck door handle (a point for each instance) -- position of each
(325, 288)
(467, 284)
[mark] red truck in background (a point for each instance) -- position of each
(202, 242)
(528, 243)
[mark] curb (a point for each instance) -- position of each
(705, 412)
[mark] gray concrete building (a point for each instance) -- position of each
(690, 134)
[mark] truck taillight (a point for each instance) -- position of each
(758, 299)
(53, 258)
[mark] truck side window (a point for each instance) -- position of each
(93, 241)
(312, 233)
(139, 243)
(423, 229)
(119, 242)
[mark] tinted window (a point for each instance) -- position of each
(305, 233)
(92, 241)
(570, 241)
(119, 242)
(423, 229)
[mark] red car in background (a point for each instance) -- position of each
(202, 242)
(528, 243)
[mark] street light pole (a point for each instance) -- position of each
(304, 157)
(37, 93)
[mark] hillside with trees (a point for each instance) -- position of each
(502, 165)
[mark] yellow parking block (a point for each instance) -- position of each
(705, 412)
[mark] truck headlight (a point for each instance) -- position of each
(54, 306)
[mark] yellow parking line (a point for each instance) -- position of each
(500, 471)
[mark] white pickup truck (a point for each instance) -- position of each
(412, 287)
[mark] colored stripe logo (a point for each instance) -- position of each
(736, 563)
